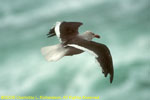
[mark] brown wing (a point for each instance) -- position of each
(101, 52)
(69, 30)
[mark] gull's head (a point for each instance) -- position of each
(90, 35)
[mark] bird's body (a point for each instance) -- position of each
(74, 51)
(58, 51)
(72, 43)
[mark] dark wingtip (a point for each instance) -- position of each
(50, 35)
(106, 74)
(111, 78)
(51, 32)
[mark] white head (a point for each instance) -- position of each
(88, 35)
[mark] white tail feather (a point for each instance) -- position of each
(53, 53)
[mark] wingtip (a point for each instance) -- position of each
(50, 35)
(111, 78)
(106, 74)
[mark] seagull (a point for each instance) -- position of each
(73, 43)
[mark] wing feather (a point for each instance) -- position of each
(100, 51)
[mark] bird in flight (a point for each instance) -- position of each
(72, 43)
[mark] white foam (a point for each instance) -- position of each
(23, 72)
(84, 77)
(135, 50)
(49, 10)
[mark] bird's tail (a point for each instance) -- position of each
(53, 53)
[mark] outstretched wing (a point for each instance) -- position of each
(100, 51)
(65, 30)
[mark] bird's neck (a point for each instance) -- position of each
(85, 36)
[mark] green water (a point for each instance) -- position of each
(124, 26)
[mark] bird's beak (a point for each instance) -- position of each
(96, 36)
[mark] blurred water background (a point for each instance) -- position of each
(124, 26)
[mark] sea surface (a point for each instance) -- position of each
(124, 26)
